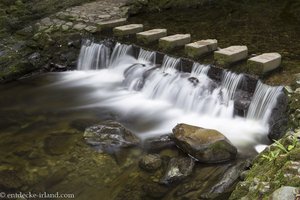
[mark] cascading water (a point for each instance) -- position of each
(229, 84)
(199, 69)
(156, 99)
(93, 56)
(264, 100)
(169, 64)
(147, 56)
(118, 53)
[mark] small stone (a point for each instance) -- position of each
(111, 23)
(65, 27)
(46, 21)
(91, 29)
(70, 24)
(79, 27)
(150, 162)
(231, 54)
(297, 91)
(178, 169)
(288, 89)
(104, 16)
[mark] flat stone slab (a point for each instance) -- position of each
(170, 42)
(151, 35)
(128, 29)
(264, 63)
(112, 23)
(199, 48)
(231, 54)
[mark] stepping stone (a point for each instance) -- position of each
(128, 29)
(231, 54)
(151, 35)
(170, 42)
(112, 23)
(197, 49)
(264, 63)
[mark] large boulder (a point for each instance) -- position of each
(110, 135)
(205, 145)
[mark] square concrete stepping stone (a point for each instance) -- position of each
(199, 48)
(231, 54)
(170, 42)
(111, 23)
(264, 63)
(128, 29)
(151, 35)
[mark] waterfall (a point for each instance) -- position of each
(93, 56)
(263, 101)
(198, 69)
(147, 56)
(118, 53)
(229, 85)
(191, 92)
(169, 64)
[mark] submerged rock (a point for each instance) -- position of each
(206, 145)
(178, 169)
(110, 135)
(150, 162)
(158, 143)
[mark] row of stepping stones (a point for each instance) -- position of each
(258, 65)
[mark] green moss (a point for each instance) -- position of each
(276, 173)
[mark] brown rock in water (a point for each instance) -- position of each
(206, 145)
(110, 135)
(150, 162)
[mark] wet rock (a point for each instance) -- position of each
(91, 29)
(285, 193)
(35, 58)
(57, 144)
(9, 180)
(158, 143)
(155, 190)
(230, 178)
(206, 145)
(242, 101)
(110, 135)
(177, 170)
(193, 80)
(279, 118)
(150, 162)
(57, 67)
(79, 27)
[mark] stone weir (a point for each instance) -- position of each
(250, 95)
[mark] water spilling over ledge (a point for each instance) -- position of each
(149, 87)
